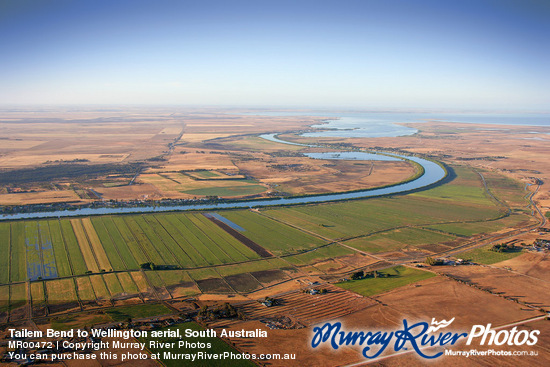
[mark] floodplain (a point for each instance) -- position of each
(111, 268)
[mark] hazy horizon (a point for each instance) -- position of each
(365, 55)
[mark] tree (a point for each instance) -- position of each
(432, 262)
(147, 266)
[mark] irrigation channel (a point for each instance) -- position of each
(433, 173)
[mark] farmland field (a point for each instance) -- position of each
(355, 218)
(139, 230)
(85, 289)
(78, 263)
(60, 290)
(235, 190)
(47, 252)
(33, 254)
(100, 288)
(144, 262)
(205, 273)
(105, 240)
(484, 255)
(84, 245)
(268, 277)
(140, 280)
(469, 229)
(134, 251)
(200, 256)
(61, 255)
(18, 263)
(208, 175)
(242, 282)
(507, 189)
(325, 252)
(247, 267)
(202, 183)
(398, 239)
(174, 276)
(398, 276)
(127, 283)
(348, 219)
(274, 236)
(4, 249)
(465, 188)
(113, 284)
(214, 285)
(122, 248)
(154, 279)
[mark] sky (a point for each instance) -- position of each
(480, 54)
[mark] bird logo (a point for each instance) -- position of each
(439, 325)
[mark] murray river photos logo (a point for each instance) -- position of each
(419, 336)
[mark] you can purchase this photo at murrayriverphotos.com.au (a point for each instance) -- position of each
(274, 183)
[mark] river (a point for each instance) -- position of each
(433, 173)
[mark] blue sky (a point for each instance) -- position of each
(483, 54)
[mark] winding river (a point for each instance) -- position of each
(433, 173)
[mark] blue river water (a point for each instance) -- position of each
(433, 173)
(385, 124)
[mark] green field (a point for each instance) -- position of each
(60, 291)
(506, 189)
(218, 347)
(155, 279)
(100, 287)
(470, 229)
(206, 174)
(198, 250)
(108, 244)
(214, 175)
(127, 283)
(85, 290)
(205, 273)
(173, 276)
(319, 254)
(398, 277)
(18, 262)
(75, 255)
(484, 255)
(278, 238)
(61, 255)
(118, 242)
(113, 284)
(467, 187)
(228, 190)
(464, 195)
(398, 239)
(135, 252)
(248, 267)
(355, 218)
(4, 249)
